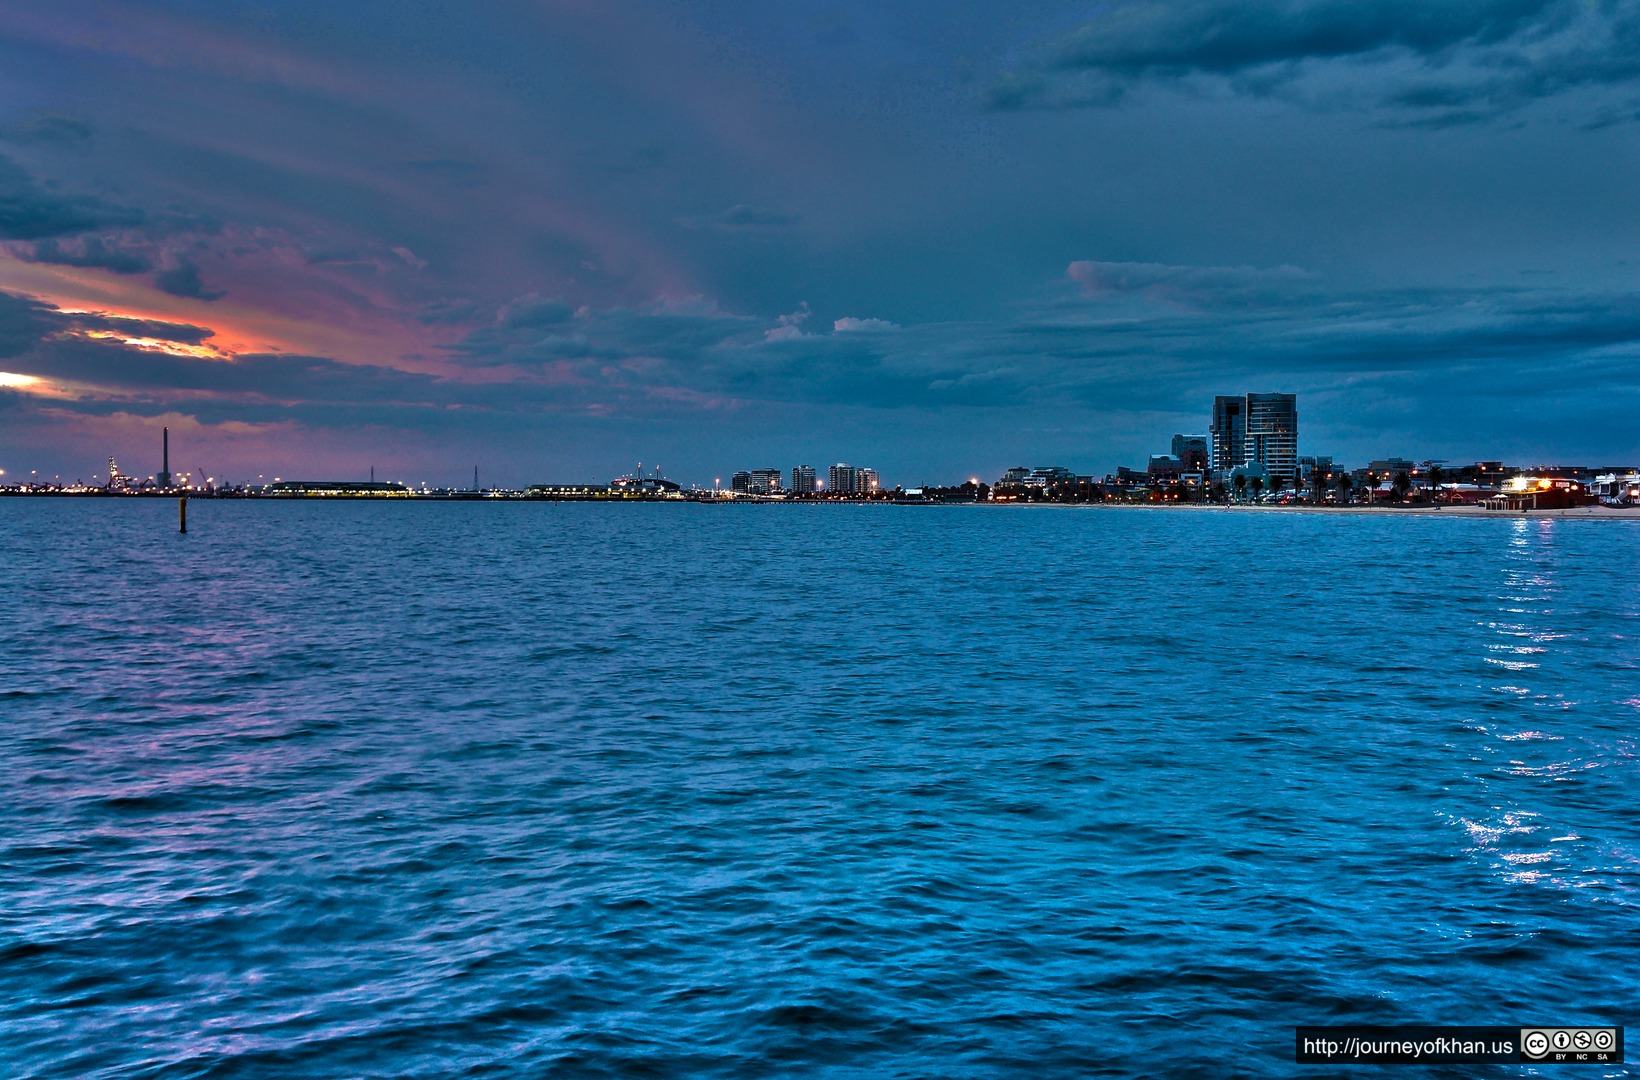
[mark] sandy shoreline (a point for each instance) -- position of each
(1600, 513)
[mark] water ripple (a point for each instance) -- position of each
(440, 790)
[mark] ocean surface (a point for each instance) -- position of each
(560, 790)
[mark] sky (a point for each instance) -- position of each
(552, 239)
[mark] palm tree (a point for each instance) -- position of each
(1400, 484)
(1258, 486)
(1343, 485)
(1240, 480)
(1435, 475)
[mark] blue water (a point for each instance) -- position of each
(563, 790)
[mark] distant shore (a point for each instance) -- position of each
(1601, 513)
(1597, 512)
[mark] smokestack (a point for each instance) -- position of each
(164, 477)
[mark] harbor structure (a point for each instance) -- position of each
(332, 488)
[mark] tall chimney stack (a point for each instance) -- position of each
(164, 476)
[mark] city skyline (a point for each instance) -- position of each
(1253, 434)
(544, 238)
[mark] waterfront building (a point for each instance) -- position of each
(843, 479)
(763, 481)
(644, 486)
(1271, 435)
(1164, 467)
(1256, 428)
(1043, 476)
(866, 481)
(1620, 488)
(1541, 493)
(1228, 432)
(1126, 476)
(321, 488)
(741, 483)
(803, 479)
(1193, 452)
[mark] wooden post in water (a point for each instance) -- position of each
(182, 514)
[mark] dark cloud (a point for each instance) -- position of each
(410, 169)
(31, 212)
(1444, 62)
(743, 218)
(449, 311)
(1224, 38)
(460, 175)
(533, 313)
(1123, 335)
(92, 252)
(24, 323)
(48, 129)
(1202, 285)
(125, 326)
(1127, 350)
(182, 279)
(266, 382)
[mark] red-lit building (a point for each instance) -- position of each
(1541, 493)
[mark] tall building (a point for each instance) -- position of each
(843, 479)
(865, 481)
(803, 479)
(741, 482)
(763, 481)
(1256, 429)
(1271, 438)
(1228, 430)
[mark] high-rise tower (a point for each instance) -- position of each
(1227, 431)
(1257, 429)
(1272, 433)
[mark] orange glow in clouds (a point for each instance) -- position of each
(239, 325)
(175, 348)
(32, 384)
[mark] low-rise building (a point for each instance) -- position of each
(1541, 493)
